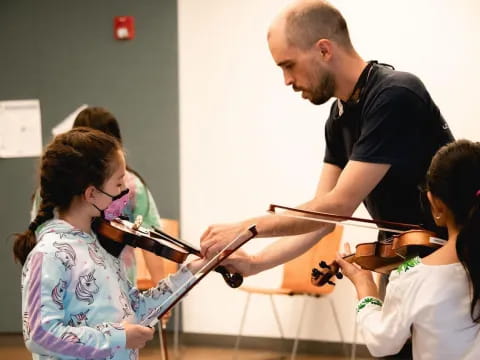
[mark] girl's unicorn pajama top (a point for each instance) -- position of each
(75, 297)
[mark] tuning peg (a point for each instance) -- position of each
(330, 283)
(339, 275)
(324, 265)
(316, 273)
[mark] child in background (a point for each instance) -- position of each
(76, 299)
(434, 299)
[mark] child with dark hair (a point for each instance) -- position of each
(140, 199)
(434, 299)
(76, 299)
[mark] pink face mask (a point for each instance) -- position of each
(117, 205)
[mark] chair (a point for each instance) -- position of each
(296, 281)
(144, 279)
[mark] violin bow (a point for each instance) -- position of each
(152, 318)
(339, 219)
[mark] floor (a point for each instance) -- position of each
(11, 347)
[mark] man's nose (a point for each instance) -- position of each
(287, 78)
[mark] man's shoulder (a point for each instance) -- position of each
(395, 81)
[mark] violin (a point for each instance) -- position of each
(117, 233)
(381, 256)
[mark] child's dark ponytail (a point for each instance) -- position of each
(468, 249)
(454, 177)
(26, 241)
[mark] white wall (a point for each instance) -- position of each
(248, 141)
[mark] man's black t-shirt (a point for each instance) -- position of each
(394, 121)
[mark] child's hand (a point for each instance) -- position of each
(137, 335)
(362, 279)
(353, 271)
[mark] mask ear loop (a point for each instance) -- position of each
(116, 197)
(122, 194)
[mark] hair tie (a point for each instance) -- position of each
(33, 226)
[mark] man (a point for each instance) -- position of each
(380, 136)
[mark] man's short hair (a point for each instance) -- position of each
(307, 24)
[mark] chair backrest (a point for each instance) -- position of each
(297, 272)
(144, 279)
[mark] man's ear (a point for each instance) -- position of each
(90, 193)
(325, 48)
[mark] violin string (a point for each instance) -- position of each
(185, 286)
(340, 222)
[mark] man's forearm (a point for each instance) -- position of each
(288, 248)
(281, 225)
(289, 223)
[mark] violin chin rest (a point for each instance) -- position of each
(113, 248)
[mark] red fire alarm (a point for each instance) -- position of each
(124, 27)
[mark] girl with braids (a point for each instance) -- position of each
(140, 200)
(434, 299)
(76, 299)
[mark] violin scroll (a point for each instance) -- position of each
(320, 278)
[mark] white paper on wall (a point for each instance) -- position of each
(67, 123)
(20, 128)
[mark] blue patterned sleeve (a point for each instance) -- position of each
(44, 327)
(146, 304)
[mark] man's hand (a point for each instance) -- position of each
(241, 262)
(137, 335)
(217, 237)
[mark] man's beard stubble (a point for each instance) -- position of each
(324, 90)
